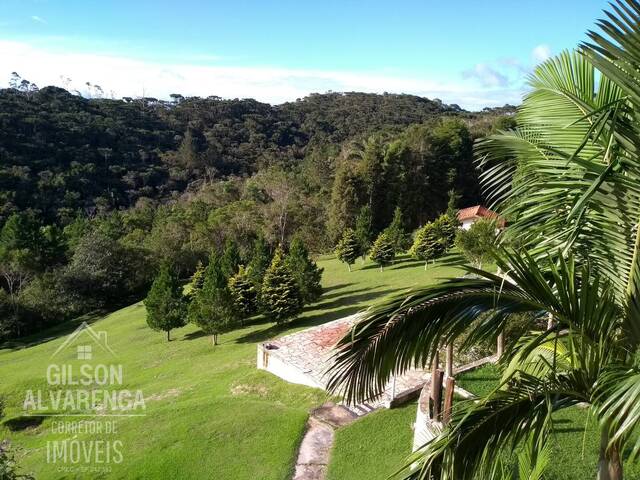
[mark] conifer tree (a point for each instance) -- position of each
(166, 307)
(212, 308)
(348, 248)
(306, 272)
(197, 279)
(425, 245)
(260, 261)
(364, 230)
(230, 260)
(396, 232)
(382, 251)
(244, 293)
(280, 295)
(445, 231)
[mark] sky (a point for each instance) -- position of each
(475, 53)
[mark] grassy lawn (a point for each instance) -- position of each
(209, 412)
(575, 440)
(373, 447)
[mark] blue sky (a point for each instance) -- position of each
(472, 52)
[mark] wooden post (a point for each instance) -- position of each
(500, 346)
(448, 399)
(448, 366)
(549, 321)
(436, 395)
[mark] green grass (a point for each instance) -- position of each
(373, 447)
(210, 413)
(575, 440)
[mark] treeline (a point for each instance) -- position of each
(97, 195)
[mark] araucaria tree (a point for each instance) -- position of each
(244, 293)
(165, 304)
(306, 272)
(280, 297)
(569, 178)
(382, 251)
(212, 307)
(348, 248)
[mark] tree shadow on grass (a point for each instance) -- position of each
(336, 287)
(322, 303)
(53, 332)
(280, 330)
(352, 304)
(23, 422)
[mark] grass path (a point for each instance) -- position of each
(210, 413)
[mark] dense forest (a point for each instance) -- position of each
(96, 194)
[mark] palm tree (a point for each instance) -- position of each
(568, 178)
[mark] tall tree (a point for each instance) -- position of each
(244, 293)
(165, 304)
(348, 248)
(426, 244)
(230, 260)
(260, 261)
(396, 232)
(364, 230)
(280, 296)
(306, 272)
(212, 308)
(382, 251)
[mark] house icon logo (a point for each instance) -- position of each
(84, 339)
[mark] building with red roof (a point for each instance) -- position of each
(470, 215)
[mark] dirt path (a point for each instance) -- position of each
(315, 448)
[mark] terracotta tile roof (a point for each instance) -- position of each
(479, 211)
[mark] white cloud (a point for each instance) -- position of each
(38, 19)
(487, 76)
(541, 53)
(131, 77)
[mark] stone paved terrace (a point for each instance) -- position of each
(305, 357)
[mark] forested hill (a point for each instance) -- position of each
(62, 154)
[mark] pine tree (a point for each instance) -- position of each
(364, 230)
(434, 239)
(197, 279)
(425, 245)
(280, 295)
(306, 272)
(382, 251)
(348, 248)
(396, 232)
(166, 307)
(452, 209)
(244, 293)
(445, 228)
(260, 261)
(230, 260)
(212, 308)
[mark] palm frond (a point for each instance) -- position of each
(479, 434)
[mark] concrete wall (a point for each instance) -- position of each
(425, 429)
(270, 361)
